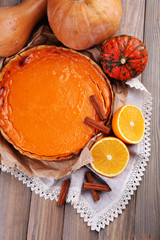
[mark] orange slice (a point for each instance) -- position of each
(128, 124)
(110, 155)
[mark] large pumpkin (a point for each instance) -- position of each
(80, 24)
(123, 57)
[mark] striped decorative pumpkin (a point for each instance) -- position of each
(123, 57)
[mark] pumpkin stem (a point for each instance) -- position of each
(123, 60)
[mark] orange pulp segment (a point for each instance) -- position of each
(128, 124)
(110, 155)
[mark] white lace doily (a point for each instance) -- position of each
(98, 215)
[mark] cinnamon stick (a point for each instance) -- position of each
(98, 107)
(95, 194)
(96, 186)
(63, 192)
(89, 121)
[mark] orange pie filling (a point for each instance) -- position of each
(44, 98)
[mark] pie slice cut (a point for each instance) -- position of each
(44, 98)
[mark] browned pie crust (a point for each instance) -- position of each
(44, 98)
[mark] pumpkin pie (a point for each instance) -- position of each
(44, 99)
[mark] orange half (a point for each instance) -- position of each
(110, 155)
(128, 124)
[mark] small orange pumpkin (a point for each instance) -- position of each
(123, 57)
(80, 24)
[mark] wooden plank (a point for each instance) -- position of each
(7, 3)
(132, 24)
(123, 226)
(74, 226)
(147, 221)
(14, 208)
(45, 219)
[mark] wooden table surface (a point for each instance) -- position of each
(24, 215)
